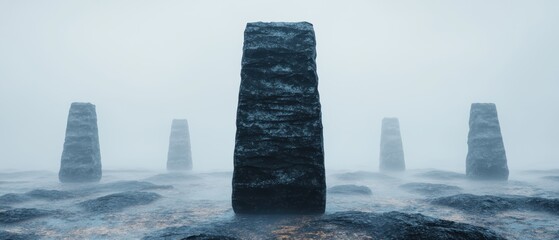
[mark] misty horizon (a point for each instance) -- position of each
(145, 65)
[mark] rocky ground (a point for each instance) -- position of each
(418, 204)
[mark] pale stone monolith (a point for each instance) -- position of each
(179, 157)
(81, 156)
(391, 150)
(486, 158)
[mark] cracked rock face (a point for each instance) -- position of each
(279, 154)
(391, 149)
(81, 157)
(179, 157)
(486, 152)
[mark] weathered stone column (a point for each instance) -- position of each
(279, 153)
(179, 157)
(391, 149)
(486, 152)
(81, 157)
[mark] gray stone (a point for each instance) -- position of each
(81, 157)
(489, 204)
(391, 149)
(279, 153)
(350, 189)
(119, 201)
(179, 157)
(486, 152)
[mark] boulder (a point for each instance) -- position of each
(489, 204)
(279, 153)
(81, 157)
(391, 149)
(179, 157)
(119, 201)
(486, 159)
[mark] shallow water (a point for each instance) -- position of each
(203, 199)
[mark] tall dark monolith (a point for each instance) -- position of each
(391, 150)
(81, 157)
(279, 153)
(486, 158)
(179, 157)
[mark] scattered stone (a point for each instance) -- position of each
(441, 175)
(179, 157)
(350, 189)
(21, 214)
(81, 157)
(119, 201)
(486, 158)
(489, 204)
(431, 189)
(279, 152)
(391, 149)
(209, 237)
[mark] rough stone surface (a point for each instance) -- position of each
(350, 189)
(489, 204)
(17, 215)
(391, 149)
(209, 237)
(340, 225)
(42, 194)
(279, 153)
(5, 235)
(119, 201)
(431, 189)
(179, 157)
(486, 158)
(81, 157)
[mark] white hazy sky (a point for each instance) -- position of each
(143, 63)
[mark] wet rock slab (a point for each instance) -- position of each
(431, 189)
(340, 225)
(41, 194)
(119, 201)
(17, 215)
(489, 204)
(209, 237)
(350, 189)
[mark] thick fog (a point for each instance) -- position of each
(143, 63)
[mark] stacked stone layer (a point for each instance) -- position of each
(179, 156)
(391, 149)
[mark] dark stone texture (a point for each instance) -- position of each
(340, 225)
(431, 189)
(489, 204)
(350, 189)
(279, 153)
(17, 215)
(208, 237)
(486, 158)
(81, 157)
(391, 149)
(5, 235)
(119, 201)
(11, 198)
(179, 157)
